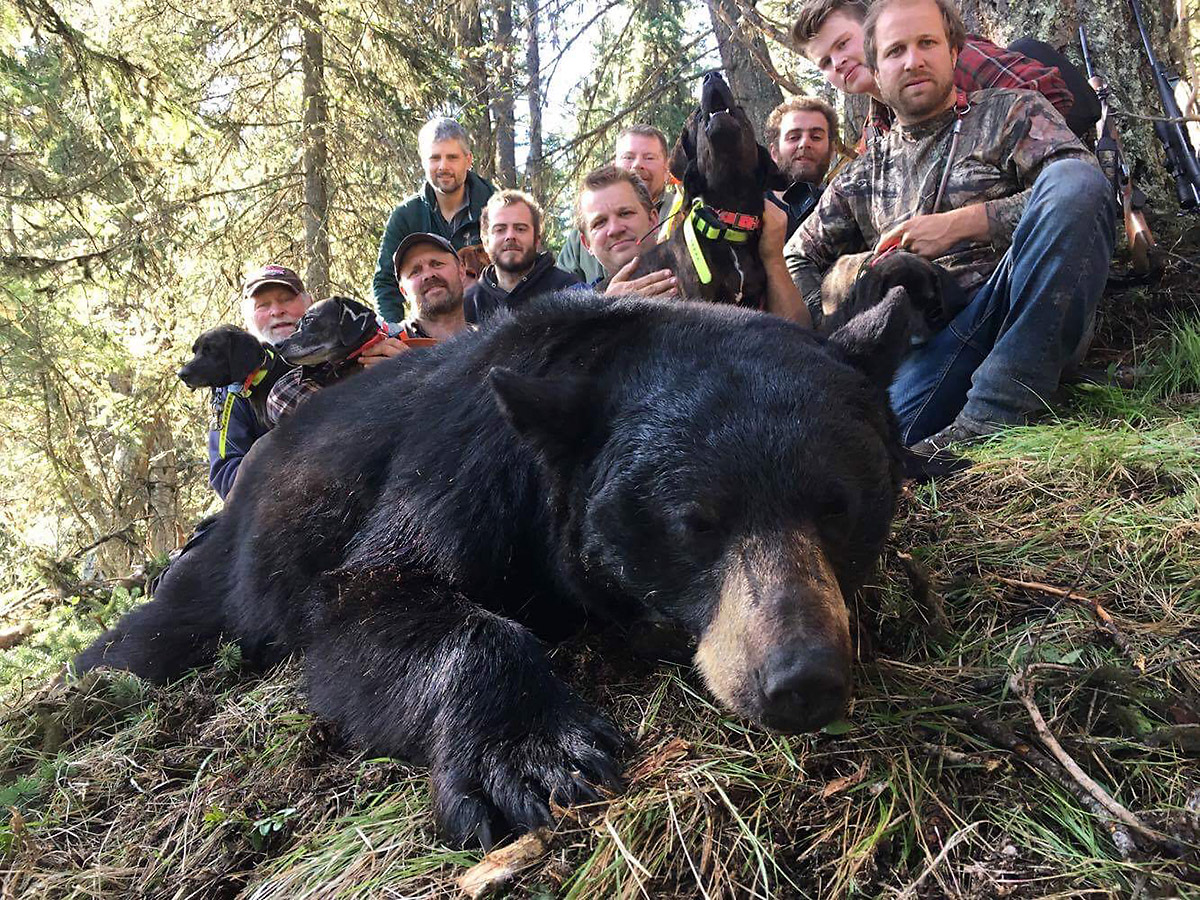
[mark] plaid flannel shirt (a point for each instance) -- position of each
(300, 383)
(982, 65)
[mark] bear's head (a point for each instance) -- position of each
(732, 473)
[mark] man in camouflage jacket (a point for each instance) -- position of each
(994, 187)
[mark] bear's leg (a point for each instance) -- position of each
(178, 630)
(410, 668)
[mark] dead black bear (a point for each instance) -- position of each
(583, 460)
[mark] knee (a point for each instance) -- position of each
(1074, 184)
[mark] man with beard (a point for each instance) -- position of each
(994, 187)
(511, 226)
(449, 205)
(801, 133)
(430, 275)
(273, 300)
(643, 150)
(830, 34)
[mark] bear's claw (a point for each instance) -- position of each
(507, 786)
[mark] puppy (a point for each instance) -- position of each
(228, 355)
(712, 245)
(859, 281)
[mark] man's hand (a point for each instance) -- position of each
(933, 235)
(774, 231)
(657, 284)
(783, 297)
(385, 349)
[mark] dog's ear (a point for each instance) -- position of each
(355, 322)
(685, 150)
(245, 354)
(772, 178)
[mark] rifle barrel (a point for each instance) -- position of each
(1087, 56)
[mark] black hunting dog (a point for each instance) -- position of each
(582, 461)
(329, 337)
(228, 355)
(714, 228)
(858, 281)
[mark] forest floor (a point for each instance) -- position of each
(1026, 720)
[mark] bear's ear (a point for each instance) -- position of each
(548, 413)
(877, 339)
(772, 178)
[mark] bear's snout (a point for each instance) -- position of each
(777, 649)
(803, 688)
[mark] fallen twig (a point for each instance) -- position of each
(500, 866)
(1021, 685)
(1107, 623)
(1002, 736)
(955, 839)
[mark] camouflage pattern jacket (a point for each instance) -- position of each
(1007, 137)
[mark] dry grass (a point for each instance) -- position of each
(222, 786)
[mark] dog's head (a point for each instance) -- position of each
(221, 356)
(329, 332)
(717, 151)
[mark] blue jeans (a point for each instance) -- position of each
(1000, 359)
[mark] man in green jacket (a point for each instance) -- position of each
(449, 205)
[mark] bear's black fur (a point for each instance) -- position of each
(582, 460)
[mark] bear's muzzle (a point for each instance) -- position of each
(778, 647)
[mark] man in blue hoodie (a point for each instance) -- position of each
(449, 205)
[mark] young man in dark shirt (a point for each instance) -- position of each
(802, 136)
(511, 227)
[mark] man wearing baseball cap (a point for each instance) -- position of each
(431, 278)
(273, 300)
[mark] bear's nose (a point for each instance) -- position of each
(804, 690)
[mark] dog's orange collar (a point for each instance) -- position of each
(255, 378)
(740, 221)
(378, 337)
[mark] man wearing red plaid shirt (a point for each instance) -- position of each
(830, 34)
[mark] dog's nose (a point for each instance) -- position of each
(804, 690)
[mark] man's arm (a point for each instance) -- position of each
(235, 429)
(1034, 135)
(388, 300)
(831, 231)
(783, 297)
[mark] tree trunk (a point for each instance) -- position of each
(503, 115)
(533, 163)
(316, 152)
(162, 487)
(475, 116)
(747, 78)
